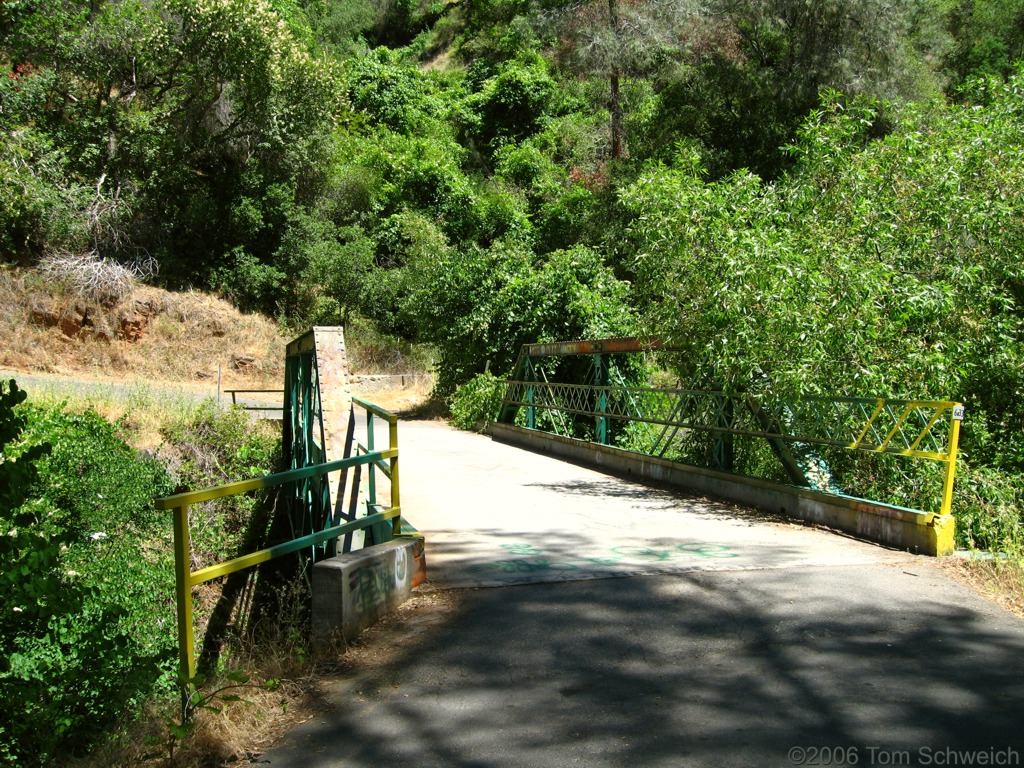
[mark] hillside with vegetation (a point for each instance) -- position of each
(819, 198)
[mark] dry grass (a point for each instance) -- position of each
(407, 402)
(394, 637)
(243, 730)
(240, 731)
(150, 334)
(999, 580)
(142, 409)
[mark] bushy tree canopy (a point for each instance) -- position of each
(875, 267)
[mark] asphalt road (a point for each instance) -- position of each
(603, 623)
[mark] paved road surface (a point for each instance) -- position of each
(729, 640)
(496, 514)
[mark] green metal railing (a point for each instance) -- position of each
(387, 468)
(386, 461)
(590, 406)
(924, 429)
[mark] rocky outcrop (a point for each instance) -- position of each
(244, 362)
(72, 320)
(44, 316)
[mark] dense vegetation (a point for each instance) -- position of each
(811, 197)
(84, 570)
(87, 567)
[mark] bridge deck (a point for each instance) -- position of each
(496, 514)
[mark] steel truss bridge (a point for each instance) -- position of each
(703, 425)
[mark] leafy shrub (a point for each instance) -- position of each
(478, 400)
(249, 283)
(567, 220)
(392, 93)
(989, 509)
(755, 280)
(213, 447)
(528, 167)
(86, 627)
(483, 306)
(515, 104)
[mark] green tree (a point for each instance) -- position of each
(179, 131)
(614, 40)
(479, 307)
(988, 39)
(514, 104)
(757, 67)
(877, 267)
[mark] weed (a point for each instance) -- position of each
(215, 699)
(999, 577)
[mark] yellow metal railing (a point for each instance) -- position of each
(389, 470)
(185, 578)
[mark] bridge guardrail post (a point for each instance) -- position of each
(952, 447)
(183, 593)
(371, 479)
(395, 496)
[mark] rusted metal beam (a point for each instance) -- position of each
(594, 347)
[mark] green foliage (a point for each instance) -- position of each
(343, 269)
(759, 281)
(988, 39)
(422, 174)
(513, 105)
(988, 507)
(372, 350)
(482, 306)
(529, 168)
(341, 28)
(86, 566)
(476, 401)
(755, 69)
(392, 93)
(17, 470)
(85, 627)
(250, 284)
(212, 447)
(165, 130)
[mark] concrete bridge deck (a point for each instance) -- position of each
(497, 515)
(731, 640)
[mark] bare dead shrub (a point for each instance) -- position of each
(90, 276)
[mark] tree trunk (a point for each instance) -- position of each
(616, 101)
(616, 109)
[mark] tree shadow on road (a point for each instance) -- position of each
(696, 669)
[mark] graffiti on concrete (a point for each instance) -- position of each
(368, 589)
(521, 549)
(371, 585)
(716, 551)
